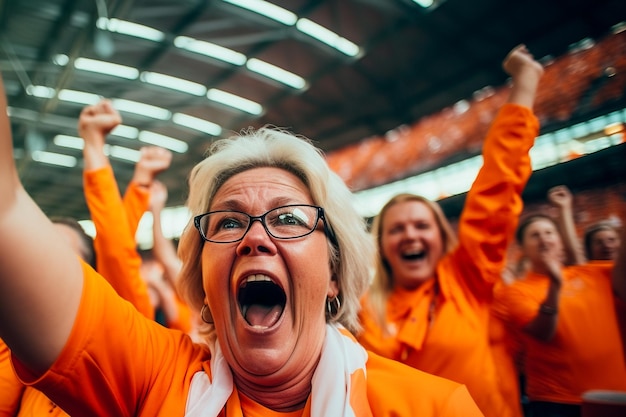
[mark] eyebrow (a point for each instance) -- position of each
(236, 205)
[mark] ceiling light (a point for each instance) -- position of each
(328, 37)
(61, 59)
(52, 158)
(163, 141)
(107, 68)
(141, 109)
(40, 91)
(267, 9)
(124, 131)
(131, 29)
(618, 27)
(79, 97)
(197, 124)
(424, 3)
(210, 49)
(237, 102)
(174, 83)
(276, 73)
(71, 142)
(126, 154)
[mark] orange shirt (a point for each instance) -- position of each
(507, 354)
(116, 362)
(587, 350)
(11, 389)
(116, 250)
(454, 341)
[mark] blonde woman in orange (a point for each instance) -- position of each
(429, 304)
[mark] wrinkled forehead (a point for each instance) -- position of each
(270, 186)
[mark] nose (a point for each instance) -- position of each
(410, 233)
(256, 241)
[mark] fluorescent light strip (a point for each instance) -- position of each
(163, 141)
(52, 158)
(210, 49)
(141, 109)
(124, 131)
(108, 68)
(197, 124)
(67, 141)
(424, 3)
(40, 91)
(126, 154)
(79, 97)
(232, 100)
(131, 29)
(328, 37)
(267, 9)
(173, 83)
(276, 73)
(114, 151)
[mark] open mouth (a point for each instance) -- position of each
(261, 301)
(413, 256)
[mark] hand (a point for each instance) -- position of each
(97, 121)
(152, 161)
(560, 197)
(520, 62)
(553, 263)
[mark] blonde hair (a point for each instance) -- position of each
(383, 284)
(274, 147)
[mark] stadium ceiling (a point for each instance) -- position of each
(336, 71)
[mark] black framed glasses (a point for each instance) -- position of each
(284, 222)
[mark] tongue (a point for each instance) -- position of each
(263, 315)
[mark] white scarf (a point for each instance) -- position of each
(332, 383)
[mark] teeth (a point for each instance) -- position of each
(257, 277)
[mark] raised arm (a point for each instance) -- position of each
(117, 257)
(561, 198)
(525, 73)
(40, 280)
(494, 202)
(543, 325)
(163, 248)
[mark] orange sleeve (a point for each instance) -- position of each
(116, 361)
(494, 202)
(11, 389)
(116, 253)
(136, 201)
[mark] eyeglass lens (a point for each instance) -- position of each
(285, 222)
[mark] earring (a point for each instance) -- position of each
(206, 315)
(333, 305)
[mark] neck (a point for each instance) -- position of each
(289, 396)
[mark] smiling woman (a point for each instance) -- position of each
(273, 257)
(429, 304)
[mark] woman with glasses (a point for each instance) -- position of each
(429, 304)
(273, 259)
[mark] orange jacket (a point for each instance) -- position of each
(455, 345)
